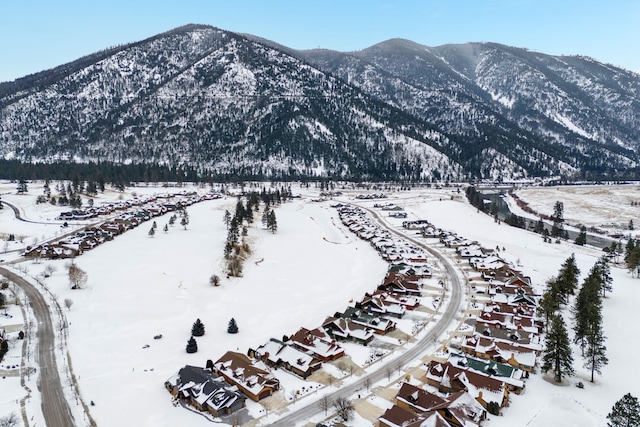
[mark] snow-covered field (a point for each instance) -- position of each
(141, 286)
(609, 207)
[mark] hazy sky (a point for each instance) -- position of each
(36, 34)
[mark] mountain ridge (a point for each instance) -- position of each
(228, 103)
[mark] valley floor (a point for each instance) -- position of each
(141, 286)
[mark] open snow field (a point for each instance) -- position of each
(609, 207)
(141, 286)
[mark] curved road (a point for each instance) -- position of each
(54, 404)
(304, 413)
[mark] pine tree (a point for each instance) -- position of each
(587, 309)
(606, 281)
(595, 357)
(568, 276)
(625, 412)
(272, 223)
(549, 303)
(233, 326)
(152, 232)
(197, 330)
(557, 229)
(192, 345)
(227, 218)
(557, 356)
(265, 215)
(582, 236)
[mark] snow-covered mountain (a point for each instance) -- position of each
(547, 114)
(231, 104)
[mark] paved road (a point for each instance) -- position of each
(305, 412)
(54, 405)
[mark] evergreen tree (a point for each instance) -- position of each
(582, 236)
(625, 412)
(192, 345)
(557, 229)
(185, 219)
(240, 211)
(232, 328)
(4, 348)
(586, 310)
(628, 249)
(265, 215)
(606, 281)
(152, 232)
(197, 330)
(227, 218)
(22, 187)
(557, 356)
(568, 277)
(272, 223)
(595, 355)
(549, 303)
(166, 228)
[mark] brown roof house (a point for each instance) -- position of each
(282, 355)
(238, 369)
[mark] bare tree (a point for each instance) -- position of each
(367, 384)
(68, 302)
(266, 405)
(10, 420)
(49, 270)
(344, 407)
(214, 280)
(236, 420)
(389, 372)
(324, 403)
(77, 276)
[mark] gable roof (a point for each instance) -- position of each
(418, 398)
(277, 352)
(240, 369)
(317, 342)
(205, 388)
(397, 416)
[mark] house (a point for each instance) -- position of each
(236, 368)
(416, 399)
(449, 378)
(400, 283)
(278, 354)
(318, 343)
(378, 303)
(457, 409)
(347, 330)
(205, 391)
(398, 416)
(379, 325)
(462, 410)
(522, 356)
(517, 328)
(511, 375)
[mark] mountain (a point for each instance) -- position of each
(227, 104)
(545, 114)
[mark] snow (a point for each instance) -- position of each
(141, 286)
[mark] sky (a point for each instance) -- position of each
(37, 35)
